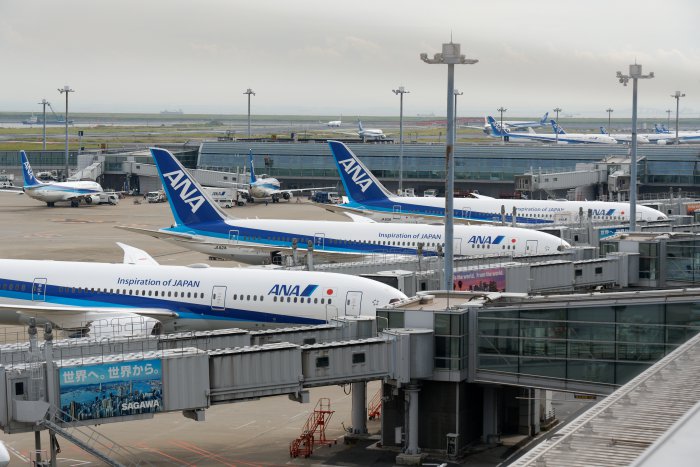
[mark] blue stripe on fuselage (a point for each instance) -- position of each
(389, 207)
(82, 297)
(255, 237)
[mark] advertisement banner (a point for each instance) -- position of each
(611, 232)
(481, 280)
(109, 390)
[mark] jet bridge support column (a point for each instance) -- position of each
(491, 431)
(50, 390)
(412, 435)
(359, 408)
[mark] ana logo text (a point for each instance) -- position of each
(358, 175)
(603, 212)
(292, 290)
(485, 240)
(29, 170)
(180, 182)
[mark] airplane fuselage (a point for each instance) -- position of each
(237, 239)
(203, 298)
(63, 191)
(488, 210)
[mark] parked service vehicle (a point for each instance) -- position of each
(330, 197)
(109, 198)
(156, 197)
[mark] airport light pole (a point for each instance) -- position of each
(249, 92)
(43, 133)
(401, 91)
(456, 93)
(556, 132)
(668, 118)
(635, 75)
(502, 109)
(66, 90)
(450, 56)
(677, 95)
(609, 110)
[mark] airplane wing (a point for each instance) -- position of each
(340, 209)
(300, 190)
(161, 235)
(16, 190)
(201, 240)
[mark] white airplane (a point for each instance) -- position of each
(264, 187)
(663, 135)
(368, 134)
(53, 192)
(140, 296)
(367, 196)
(4, 455)
(623, 137)
(518, 124)
(201, 226)
(335, 123)
(563, 138)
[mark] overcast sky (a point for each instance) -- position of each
(337, 57)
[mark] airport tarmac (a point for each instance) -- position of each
(255, 433)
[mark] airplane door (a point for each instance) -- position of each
(457, 246)
(531, 247)
(466, 213)
(39, 290)
(233, 236)
(353, 303)
(397, 212)
(218, 297)
(319, 241)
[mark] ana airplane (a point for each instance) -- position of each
(663, 135)
(53, 192)
(200, 226)
(623, 137)
(518, 124)
(264, 187)
(368, 134)
(563, 138)
(142, 297)
(367, 196)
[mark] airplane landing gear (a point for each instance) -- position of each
(50, 204)
(74, 203)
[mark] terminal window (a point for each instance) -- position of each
(322, 362)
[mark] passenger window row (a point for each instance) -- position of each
(137, 292)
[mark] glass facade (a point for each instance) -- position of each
(658, 165)
(38, 158)
(599, 344)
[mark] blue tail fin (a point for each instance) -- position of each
(252, 167)
(360, 185)
(187, 199)
(557, 128)
(657, 129)
(496, 130)
(603, 130)
(27, 172)
(544, 119)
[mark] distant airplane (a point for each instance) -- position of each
(200, 226)
(335, 123)
(623, 137)
(264, 187)
(53, 192)
(662, 135)
(367, 196)
(140, 296)
(518, 124)
(368, 134)
(563, 138)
